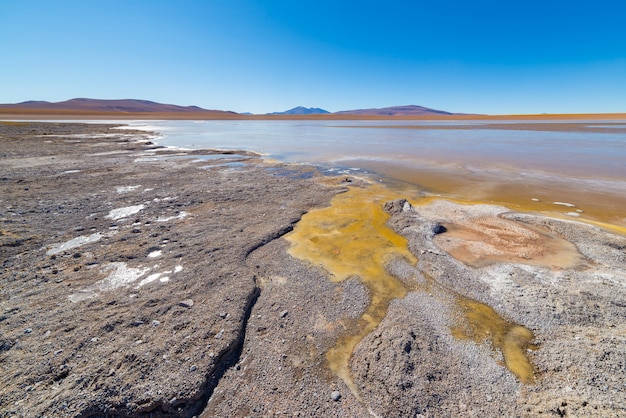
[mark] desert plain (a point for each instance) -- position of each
(139, 280)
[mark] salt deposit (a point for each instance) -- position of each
(120, 213)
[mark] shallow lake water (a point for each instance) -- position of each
(564, 152)
(528, 165)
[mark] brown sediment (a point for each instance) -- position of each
(489, 239)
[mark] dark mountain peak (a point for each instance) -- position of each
(301, 110)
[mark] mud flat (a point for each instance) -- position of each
(143, 281)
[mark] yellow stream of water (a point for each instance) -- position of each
(350, 238)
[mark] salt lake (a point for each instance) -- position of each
(524, 164)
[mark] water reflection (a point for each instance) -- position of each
(505, 162)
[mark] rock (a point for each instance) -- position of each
(395, 206)
(335, 396)
(439, 229)
(187, 303)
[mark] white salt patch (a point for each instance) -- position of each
(572, 213)
(534, 199)
(148, 279)
(121, 275)
(126, 189)
(155, 254)
(579, 211)
(71, 171)
(124, 212)
(181, 215)
(148, 190)
(564, 204)
(178, 269)
(74, 243)
(164, 279)
(82, 295)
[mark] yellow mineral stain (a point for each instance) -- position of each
(347, 239)
(483, 323)
(350, 239)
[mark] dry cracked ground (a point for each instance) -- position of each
(143, 281)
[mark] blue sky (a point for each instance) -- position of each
(496, 57)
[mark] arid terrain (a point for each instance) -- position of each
(138, 280)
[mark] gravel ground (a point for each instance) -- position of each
(143, 281)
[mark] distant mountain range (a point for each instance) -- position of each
(109, 106)
(131, 106)
(410, 110)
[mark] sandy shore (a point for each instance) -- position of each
(143, 281)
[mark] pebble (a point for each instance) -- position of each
(187, 303)
(193, 368)
(335, 396)
(223, 315)
(284, 314)
(28, 330)
(220, 334)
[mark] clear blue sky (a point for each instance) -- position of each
(501, 56)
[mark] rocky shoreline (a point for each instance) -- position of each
(143, 281)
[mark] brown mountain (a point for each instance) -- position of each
(108, 106)
(409, 110)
